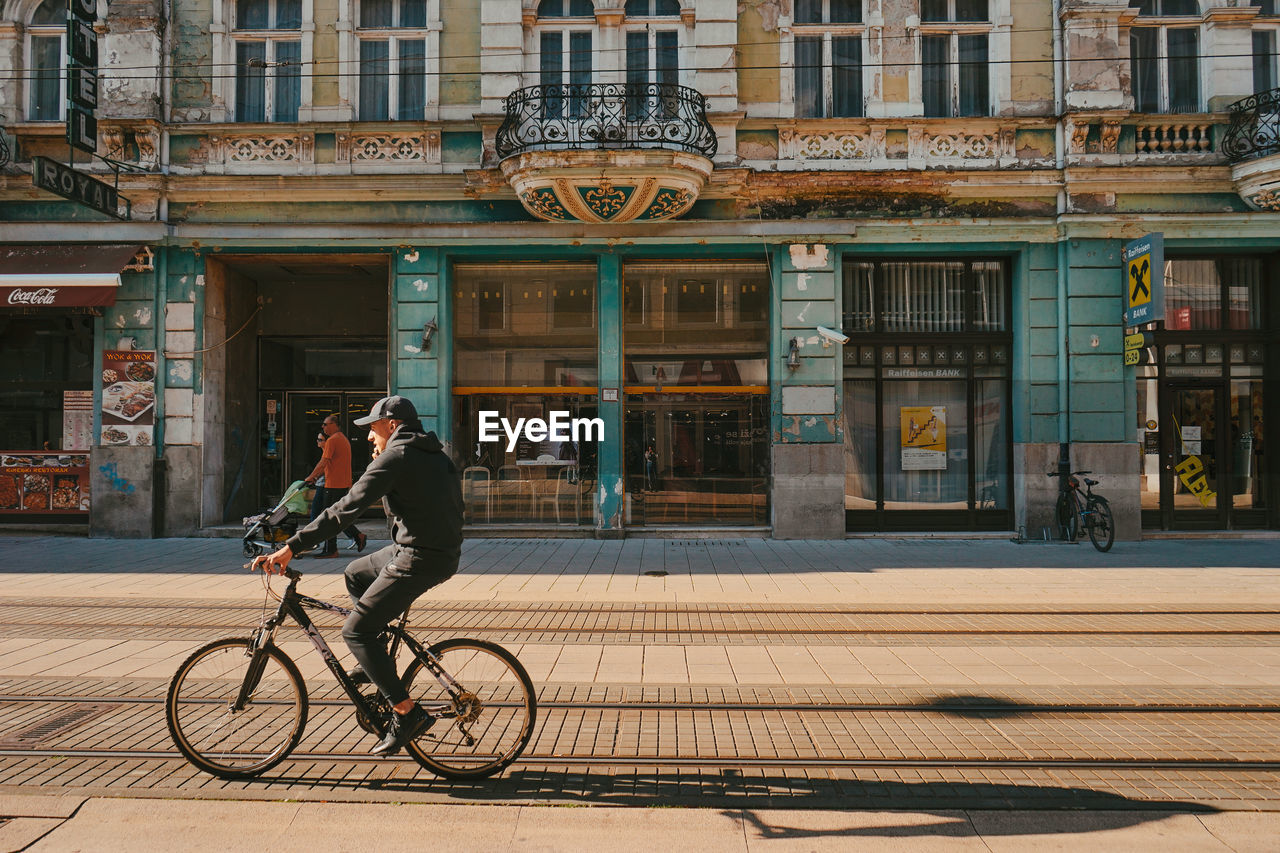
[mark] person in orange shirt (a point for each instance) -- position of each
(335, 467)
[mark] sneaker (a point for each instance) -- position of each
(403, 729)
(358, 675)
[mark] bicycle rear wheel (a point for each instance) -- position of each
(1068, 521)
(1102, 527)
(488, 726)
(203, 720)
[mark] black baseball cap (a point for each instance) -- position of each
(395, 407)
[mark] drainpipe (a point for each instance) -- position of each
(1064, 330)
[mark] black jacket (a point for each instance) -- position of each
(423, 497)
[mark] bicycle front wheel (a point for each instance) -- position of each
(1102, 527)
(1068, 521)
(487, 727)
(225, 740)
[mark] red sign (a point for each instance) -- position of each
(60, 296)
(43, 483)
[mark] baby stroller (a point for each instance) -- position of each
(276, 525)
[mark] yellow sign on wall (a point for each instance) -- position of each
(924, 438)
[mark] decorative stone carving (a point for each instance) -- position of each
(606, 186)
(263, 149)
(113, 140)
(1110, 137)
(1266, 200)
(1172, 138)
(395, 147)
(977, 146)
(148, 140)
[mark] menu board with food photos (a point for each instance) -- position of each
(128, 397)
(34, 483)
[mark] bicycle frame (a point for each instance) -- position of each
(295, 605)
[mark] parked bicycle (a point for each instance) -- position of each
(1078, 509)
(237, 707)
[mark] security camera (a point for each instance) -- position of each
(832, 336)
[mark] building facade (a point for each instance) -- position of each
(816, 267)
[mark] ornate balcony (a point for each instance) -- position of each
(1252, 145)
(606, 152)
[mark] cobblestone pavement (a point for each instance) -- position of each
(746, 674)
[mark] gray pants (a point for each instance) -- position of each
(382, 585)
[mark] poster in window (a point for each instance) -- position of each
(34, 483)
(128, 397)
(77, 420)
(924, 438)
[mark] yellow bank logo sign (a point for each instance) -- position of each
(1143, 277)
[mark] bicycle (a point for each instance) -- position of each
(237, 707)
(1075, 508)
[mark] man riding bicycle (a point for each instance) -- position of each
(422, 493)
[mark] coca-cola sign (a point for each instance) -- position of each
(29, 296)
(40, 296)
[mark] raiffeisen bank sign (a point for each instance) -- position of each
(559, 426)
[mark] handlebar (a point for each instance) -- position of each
(291, 574)
(1073, 473)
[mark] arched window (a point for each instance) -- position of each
(1265, 31)
(1164, 56)
(955, 72)
(268, 59)
(393, 60)
(46, 52)
(827, 44)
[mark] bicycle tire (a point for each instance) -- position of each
(1068, 520)
(210, 680)
(507, 707)
(1102, 527)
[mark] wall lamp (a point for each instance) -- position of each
(793, 357)
(428, 332)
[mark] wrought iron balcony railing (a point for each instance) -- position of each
(592, 116)
(1255, 127)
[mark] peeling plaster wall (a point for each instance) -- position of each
(759, 51)
(1096, 49)
(891, 86)
(459, 51)
(132, 41)
(1031, 49)
(324, 88)
(192, 50)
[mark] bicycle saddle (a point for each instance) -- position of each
(1089, 482)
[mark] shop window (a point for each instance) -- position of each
(40, 358)
(525, 347)
(1164, 56)
(954, 53)
(393, 44)
(828, 58)
(696, 436)
(268, 57)
(46, 51)
(927, 394)
(1199, 293)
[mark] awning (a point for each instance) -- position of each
(62, 276)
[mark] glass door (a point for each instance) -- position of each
(1197, 468)
(291, 450)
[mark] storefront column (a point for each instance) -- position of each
(123, 496)
(609, 504)
(808, 466)
(415, 304)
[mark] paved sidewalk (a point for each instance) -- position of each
(64, 824)
(890, 576)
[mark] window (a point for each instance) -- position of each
(268, 57)
(1265, 76)
(828, 58)
(1164, 58)
(1200, 292)
(955, 77)
(393, 59)
(652, 8)
(46, 51)
(652, 58)
(564, 56)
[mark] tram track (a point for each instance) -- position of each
(716, 762)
